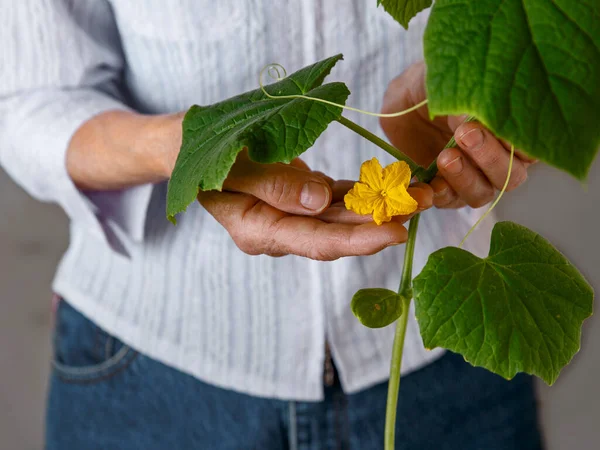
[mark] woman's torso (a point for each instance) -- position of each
(187, 296)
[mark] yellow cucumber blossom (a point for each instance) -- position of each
(382, 192)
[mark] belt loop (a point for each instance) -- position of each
(293, 433)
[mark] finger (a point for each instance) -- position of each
(455, 121)
(340, 189)
(284, 187)
(258, 228)
(489, 155)
(226, 207)
(230, 210)
(338, 213)
(327, 178)
(423, 194)
(464, 178)
(443, 194)
(455, 204)
(299, 164)
(315, 239)
(527, 161)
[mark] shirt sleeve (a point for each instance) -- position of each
(60, 65)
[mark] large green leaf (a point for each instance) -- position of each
(273, 130)
(404, 10)
(376, 307)
(528, 69)
(518, 310)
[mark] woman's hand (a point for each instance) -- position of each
(272, 209)
(278, 209)
(469, 174)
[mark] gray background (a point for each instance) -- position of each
(33, 235)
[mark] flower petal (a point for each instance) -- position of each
(399, 202)
(371, 173)
(381, 192)
(361, 199)
(396, 174)
(381, 212)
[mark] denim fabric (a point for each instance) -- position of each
(106, 396)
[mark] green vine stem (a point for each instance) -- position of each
(405, 294)
(424, 175)
(414, 167)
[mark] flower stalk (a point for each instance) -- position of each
(405, 295)
(386, 147)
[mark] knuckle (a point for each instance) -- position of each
(319, 254)
(517, 178)
(487, 158)
(244, 242)
(316, 255)
(278, 189)
(271, 233)
(444, 198)
(467, 181)
(335, 248)
(326, 249)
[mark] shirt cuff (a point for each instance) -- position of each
(126, 209)
(40, 129)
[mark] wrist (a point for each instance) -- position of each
(160, 144)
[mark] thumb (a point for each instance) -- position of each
(288, 188)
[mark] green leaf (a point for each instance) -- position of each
(518, 310)
(273, 130)
(527, 69)
(404, 10)
(376, 308)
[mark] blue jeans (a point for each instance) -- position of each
(106, 396)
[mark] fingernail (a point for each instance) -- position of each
(473, 139)
(455, 166)
(314, 196)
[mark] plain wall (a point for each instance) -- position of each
(567, 214)
(33, 235)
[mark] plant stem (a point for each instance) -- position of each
(424, 175)
(406, 280)
(414, 167)
(405, 290)
(405, 293)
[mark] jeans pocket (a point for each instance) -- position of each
(84, 352)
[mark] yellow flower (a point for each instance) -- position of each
(382, 192)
